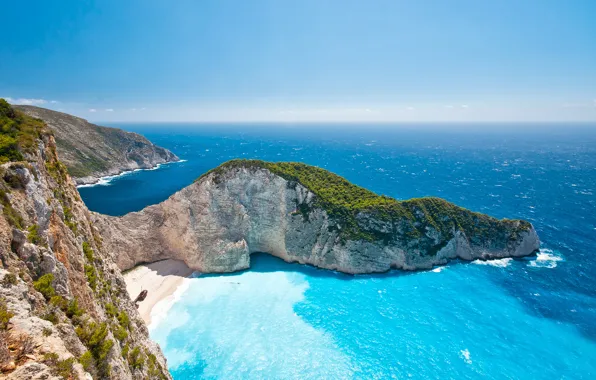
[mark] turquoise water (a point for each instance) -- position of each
(529, 318)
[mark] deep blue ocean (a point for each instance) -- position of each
(533, 318)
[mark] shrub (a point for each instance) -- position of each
(87, 362)
(91, 276)
(154, 368)
(14, 180)
(124, 319)
(50, 357)
(33, 235)
(88, 251)
(62, 368)
(6, 110)
(69, 219)
(47, 331)
(44, 285)
(111, 309)
(59, 302)
(12, 216)
(94, 337)
(73, 309)
(125, 350)
(51, 316)
(18, 133)
(58, 172)
(9, 149)
(9, 280)
(136, 360)
(5, 315)
(121, 334)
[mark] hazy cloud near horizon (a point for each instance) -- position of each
(570, 112)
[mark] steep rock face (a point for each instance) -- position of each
(64, 309)
(243, 207)
(90, 151)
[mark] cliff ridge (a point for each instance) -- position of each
(308, 215)
(64, 310)
(90, 151)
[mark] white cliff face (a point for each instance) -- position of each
(215, 224)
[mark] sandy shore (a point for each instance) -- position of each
(160, 279)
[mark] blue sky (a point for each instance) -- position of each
(278, 60)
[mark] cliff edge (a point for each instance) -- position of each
(64, 309)
(90, 151)
(308, 215)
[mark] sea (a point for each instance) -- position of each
(530, 318)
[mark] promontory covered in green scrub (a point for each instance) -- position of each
(91, 151)
(309, 215)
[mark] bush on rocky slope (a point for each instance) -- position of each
(18, 133)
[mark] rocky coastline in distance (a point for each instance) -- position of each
(92, 153)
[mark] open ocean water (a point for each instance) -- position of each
(533, 318)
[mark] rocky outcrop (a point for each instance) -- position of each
(306, 215)
(90, 151)
(64, 309)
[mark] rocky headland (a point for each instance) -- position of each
(90, 151)
(308, 215)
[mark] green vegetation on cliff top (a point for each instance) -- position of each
(344, 201)
(18, 133)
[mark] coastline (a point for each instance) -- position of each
(161, 279)
(105, 180)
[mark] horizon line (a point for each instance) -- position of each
(375, 122)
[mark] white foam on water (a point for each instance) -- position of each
(159, 312)
(438, 269)
(501, 263)
(546, 258)
(465, 354)
(105, 181)
(246, 325)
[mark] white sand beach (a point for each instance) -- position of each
(160, 279)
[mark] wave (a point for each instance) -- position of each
(437, 269)
(465, 354)
(501, 263)
(546, 258)
(106, 180)
(159, 312)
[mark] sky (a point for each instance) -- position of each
(307, 60)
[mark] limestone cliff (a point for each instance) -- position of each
(305, 214)
(64, 310)
(90, 151)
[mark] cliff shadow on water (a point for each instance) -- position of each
(263, 262)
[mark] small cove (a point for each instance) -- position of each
(517, 318)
